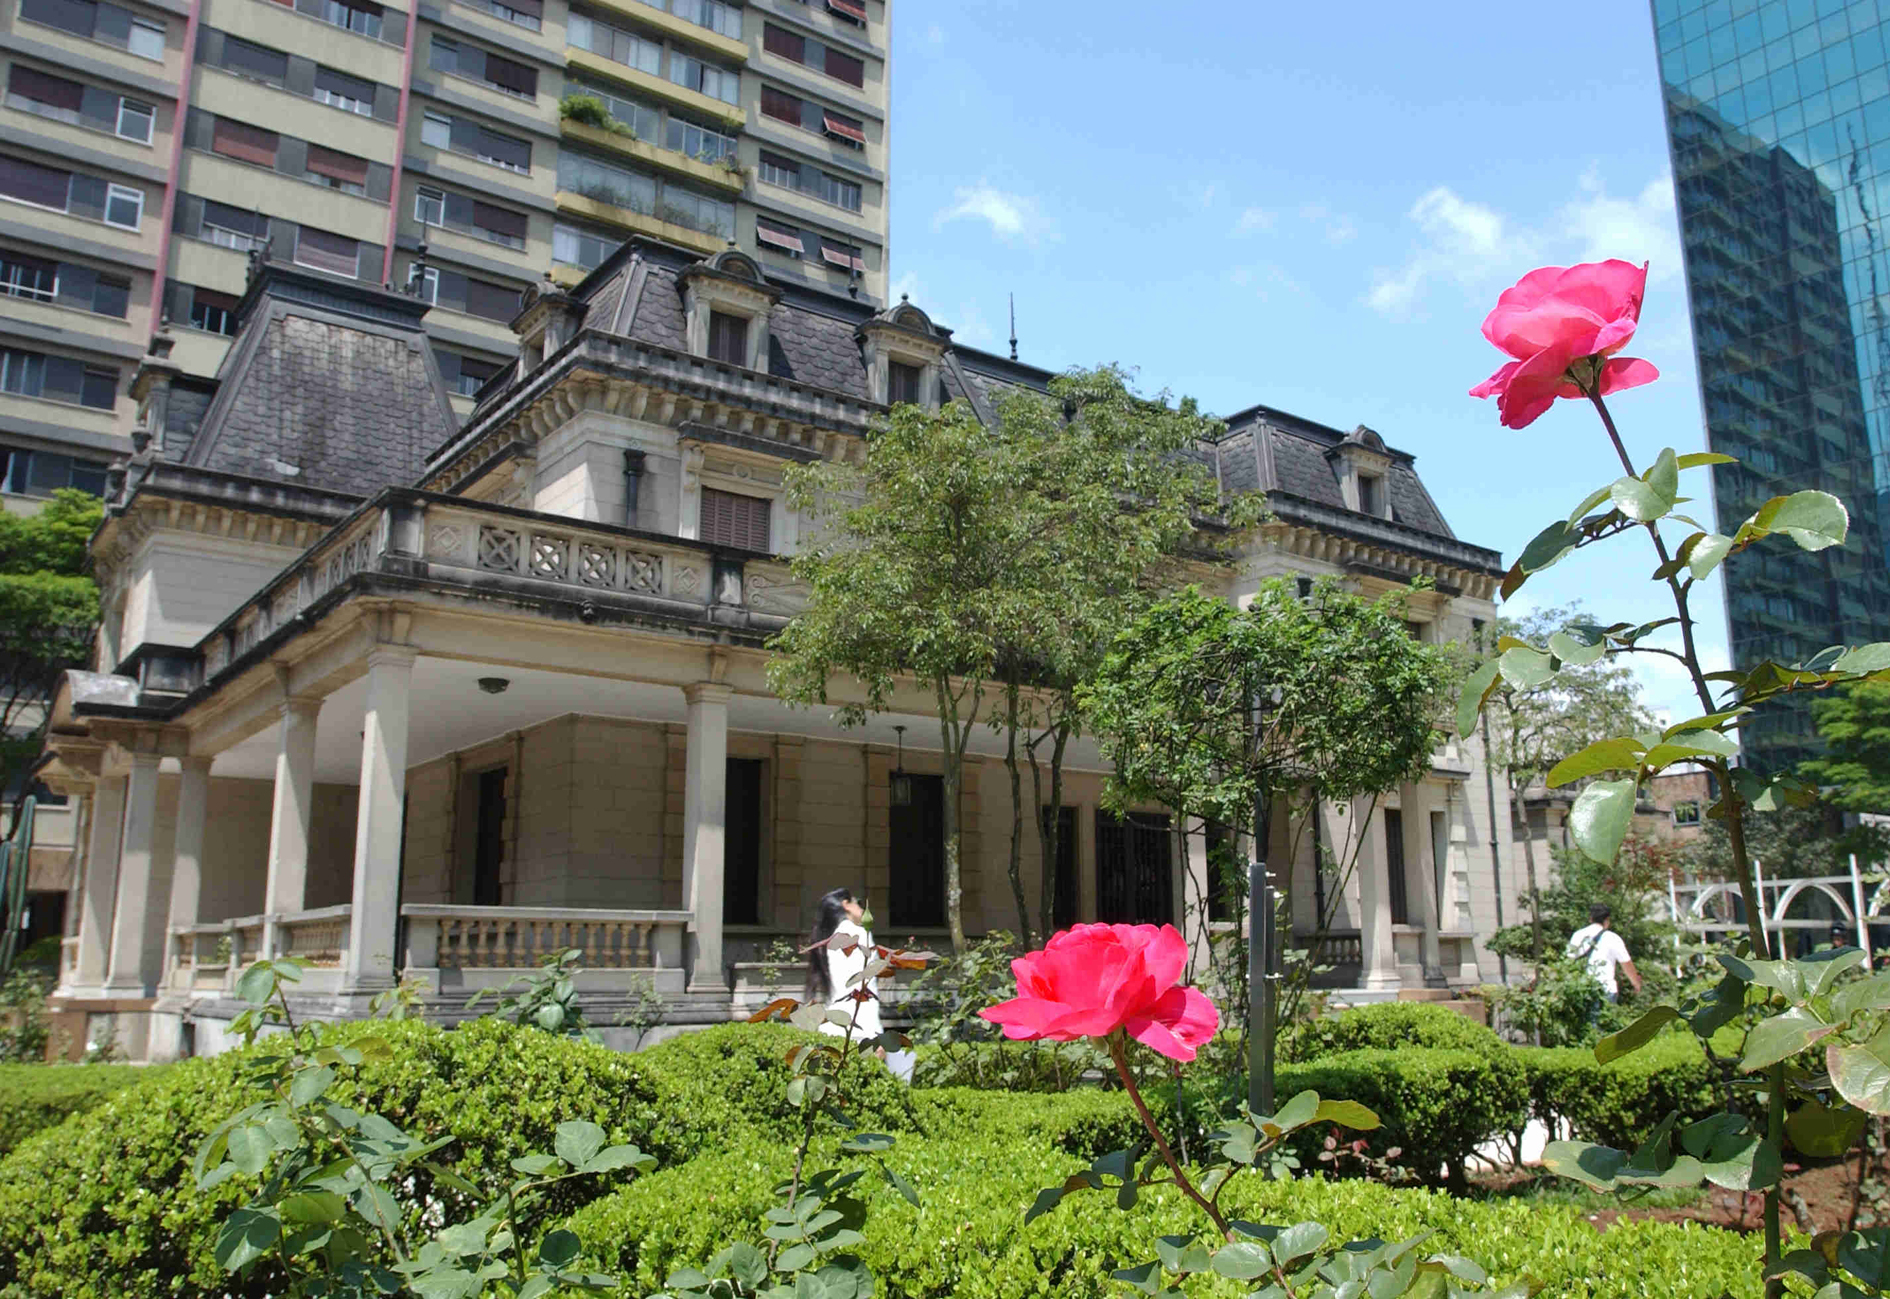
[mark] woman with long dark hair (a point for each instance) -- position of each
(830, 969)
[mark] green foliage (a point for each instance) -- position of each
(34, 1097)
(1854, 722)
(1615, 1104)
(1436, 1106)
(968, 1242)
(1793, 840)
(959, 1048)
(1387, 1026)
(23, 1027)
(1352, 700)
(106, 1206)
(592, 112)
(546, 998)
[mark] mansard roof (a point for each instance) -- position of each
(329, 385)
(1271, 451)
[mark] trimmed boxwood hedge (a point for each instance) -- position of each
(1619, 1103)
(34, 1097)
(1387, 1026)
(969, 1241)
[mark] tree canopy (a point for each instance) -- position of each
(1854, 722)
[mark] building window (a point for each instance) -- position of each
(146, 39)
(642, 121)
(781, 238)
(57, 378)
(699, 142)
(814, 54)
(230, 227)
(789, 174)
(605, 183)
(321, 251)
(99, 388)
(1687, 813)
(578, 247)
(22, 373)
(110, 297)
(437, 131)
(28, 182)
(339, 171)
(1135, 879)
(848, 130)
(723, 19)
(776, 170)
(705, 78)
(904, 383)
(41, 473)
(488, 888)
(1371, 494)
(429, 206)
(339, 90)
(245, 143)
(730, 519)
(1395, 872)
(614, 43)
(712, 216)
(851, 11)
(780, 105)
(28, 277)
(212, 311)
(124, 206)
(741, 879)
(355, 15)
(135, 120)
(728, 338)
(249, 60)
(473, 375)
(916, 855)
(845, 257)
(491, 301)
(489, 70)
(529, 14)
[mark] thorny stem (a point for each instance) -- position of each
(1119, 1054)
(1736, 833)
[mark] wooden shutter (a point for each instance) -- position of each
(507, 149)
(730, 519)
(777, 40)
(44, 88)
(500, 221)
(32, 183)
(728, 338)
(493, 301)
(780, 104)
(515, 77)
(337, 166)
(845, 67)
(245, 143)
(336, 254)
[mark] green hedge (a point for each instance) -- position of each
(1618, 1104)
(1435, 1106)
(1386, 1026)
(106, 1206)
(34, 1097)
(969, 1241)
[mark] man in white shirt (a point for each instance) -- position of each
(1604, 951)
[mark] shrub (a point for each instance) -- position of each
(108, 1205)
(1084, 1123)
(1386, 1026)
(1436, 1106)
(969, 1241)
(38, 1096)
(1618, 1104)
(1009, 1066)
(717, 1084)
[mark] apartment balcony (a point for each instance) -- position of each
(662, 88)
(712, 174)
(630, 219)
(723, 47)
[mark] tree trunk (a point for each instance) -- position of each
(1529, 865)
(951, 730)
(1017, 815)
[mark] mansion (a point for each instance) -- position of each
(410, 697)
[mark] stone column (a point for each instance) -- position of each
(136, 859)
(374, 920)
(193, 802)
(100, 895)
(705, 812)
(1378, 953)
(1419, 848)
(287, 889)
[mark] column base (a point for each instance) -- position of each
(706, 986)
(1382, 981)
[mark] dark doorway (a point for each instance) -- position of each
(1135, 874)
(916, 859)
(1394, 867)
(1067, 898)
(741, 860)
(489, 838)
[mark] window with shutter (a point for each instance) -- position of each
(499, 224)
(780, 105)
(77, 16)
(505, 150)
(344, 169)
(336, 254)
(903, 383)
(254, 60)
(245, 143)
(845, 67)
(513, 77)
(731, 519)
(778, 40)
(728, 338)
(493, 301)
(31, 183)
(44, 89)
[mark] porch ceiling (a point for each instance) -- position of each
(448, 711)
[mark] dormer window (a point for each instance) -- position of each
(1371, 495)
(728, 338)
(904, 383)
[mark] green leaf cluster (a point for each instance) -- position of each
(34, 1097)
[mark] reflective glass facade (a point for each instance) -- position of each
(1778, 114)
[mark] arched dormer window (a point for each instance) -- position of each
(903, 351)
(726, 301)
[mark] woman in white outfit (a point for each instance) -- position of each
(830, 970)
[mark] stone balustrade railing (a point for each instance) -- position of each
(319, 937)
(519, 938)
(1341, 947)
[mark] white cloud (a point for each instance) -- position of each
(1254, 220)
(1013, 218)
(967, 323)
(1640, 229)
(1477, 248)
(1339, 228)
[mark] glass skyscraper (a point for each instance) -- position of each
(1778, 116)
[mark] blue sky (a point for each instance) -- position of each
(1311, 207)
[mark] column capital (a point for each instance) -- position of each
(384, 653)
(303, 706)
(141, 761)
(197, 761)
(708, 692)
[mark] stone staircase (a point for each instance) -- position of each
(1471, 1008)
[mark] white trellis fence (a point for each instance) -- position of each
(1717, 911)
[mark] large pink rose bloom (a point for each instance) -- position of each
(1556, 318)
(1091, 980)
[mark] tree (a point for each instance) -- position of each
(1534, 726)
(1216, 710)
(1119, 508)
(48, 614)
(1855, 725)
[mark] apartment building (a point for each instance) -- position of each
(461, 149)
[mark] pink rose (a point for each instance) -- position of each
(1554, 320)
(1091, 980)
